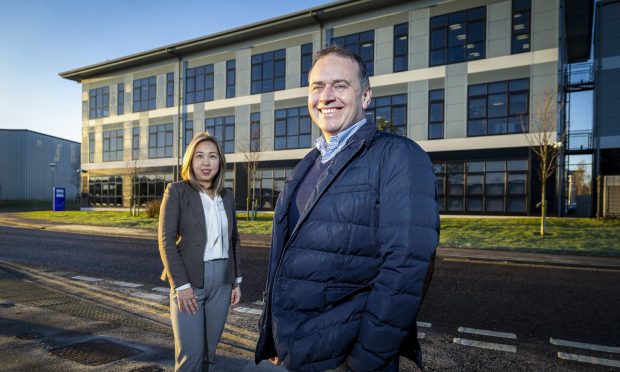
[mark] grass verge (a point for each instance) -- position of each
(585, 236)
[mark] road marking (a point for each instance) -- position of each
(589, 359)
(161, 289)
(248, 310)
(484, 332)
(421, 335)
(581, 345)
(149, 296)
(485, 345)
(259, 303)
(85, 278)
(125, 284)
(423, 324)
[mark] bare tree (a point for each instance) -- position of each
(546, 143)
(252, 157)
(133, 168)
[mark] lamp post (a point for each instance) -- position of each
(52, 166)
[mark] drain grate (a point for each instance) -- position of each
(95, 352)
(29, 336)
(148, 369)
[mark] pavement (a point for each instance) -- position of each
(45, 328)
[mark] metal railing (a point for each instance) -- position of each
(579, 140)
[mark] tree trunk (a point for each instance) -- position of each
(543, 210)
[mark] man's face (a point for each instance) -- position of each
(335, 100)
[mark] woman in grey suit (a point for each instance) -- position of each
(199, 247)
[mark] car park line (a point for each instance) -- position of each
(485, 345)
(589, 359)
(484, 332)
(582, 345)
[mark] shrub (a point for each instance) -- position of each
(152, 208)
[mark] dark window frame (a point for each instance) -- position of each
(105, 191)
(160, 133)
(355, 42)
(112, 145)
(401, 50)
(199, 84)
(521, 30)
(91, 147)
(436, 97)
(268, 71)
(99, 102)
(255, 131)
(397, 102)
(222, 128)
(231, 77)
(305, 64)
(515, 121)
(170, 89)
(120, 98)
(135, 143)
(188, 133)
(141, 101)
(292, 128)
(455, 49)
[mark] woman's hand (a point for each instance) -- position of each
(235, 296)
(187, 301)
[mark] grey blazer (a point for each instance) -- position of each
(182, 236)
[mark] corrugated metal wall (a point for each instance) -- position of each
(25, 171)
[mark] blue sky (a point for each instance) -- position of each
(40, 38)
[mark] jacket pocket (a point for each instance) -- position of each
(337, 293)
(348, 188)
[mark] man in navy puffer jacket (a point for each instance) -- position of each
(354, 236)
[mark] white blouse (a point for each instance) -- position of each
(217, 227)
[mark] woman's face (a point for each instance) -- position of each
(206, 162)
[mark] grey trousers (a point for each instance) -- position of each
(192, 330)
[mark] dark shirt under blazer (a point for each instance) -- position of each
(182, 236)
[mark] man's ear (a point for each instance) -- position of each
(366, 96)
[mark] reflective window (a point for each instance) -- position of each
(120, 99)
(306, 63)
(150, 186)
(231, 73)
(362, 44)
(255, 131)
(498, 108)
(170, 89)
(105, 191)
(268, 71)
(458, 37)
(268, 186)
(199, 84)
(401, 47)
(99, 102)
(495, 186)
(188, 133)
(520, 38)
(292, 128)
(389, 113)
(135, 143)
(160, 141)
(113, 145)
(144, 94)
(435, 114)
(91, 147)
(223, 128)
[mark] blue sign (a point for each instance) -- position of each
(59, 199)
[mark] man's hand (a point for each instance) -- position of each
(235, 296)
(275, 360)
(187, 301)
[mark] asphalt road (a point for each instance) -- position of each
(528, 306)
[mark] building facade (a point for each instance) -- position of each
(32, 163)
(461, 78)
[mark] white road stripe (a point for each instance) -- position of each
(581, 345)
(149, 296)
(161, 289)
(248, 310)
(484, 332)
(589, 359)
(259, 303)
(85, 278)
(125, 284)
(423, 324)
(421, 335)
(485, 345)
